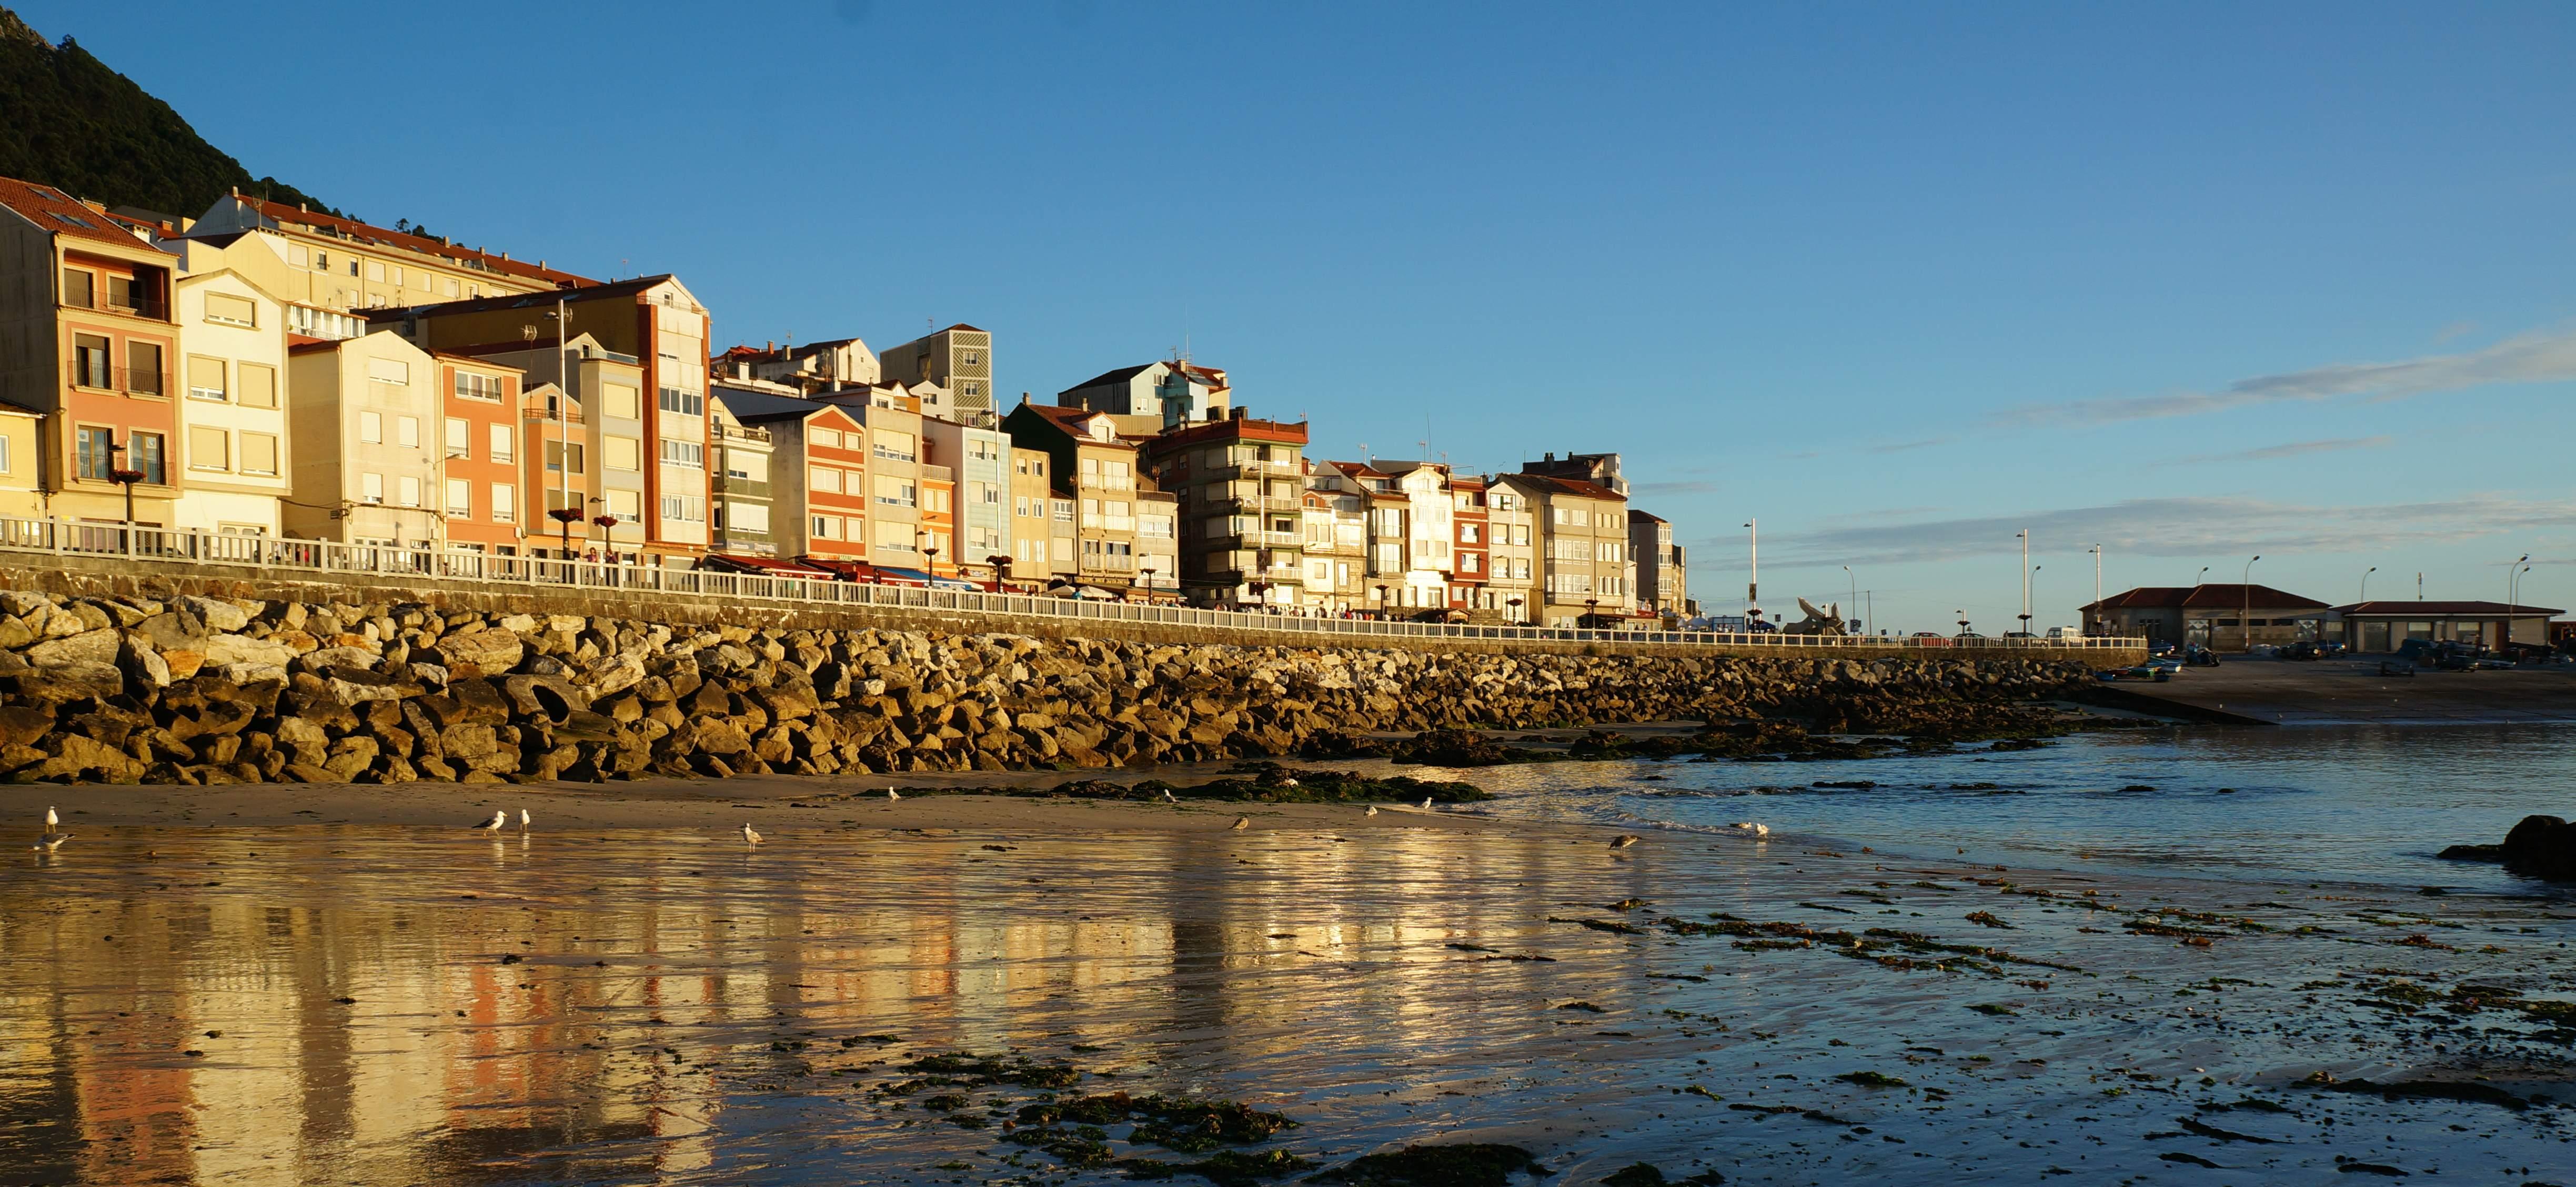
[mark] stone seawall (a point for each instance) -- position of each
(162, 580)
(213, 690)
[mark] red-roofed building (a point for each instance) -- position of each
(88, 343)
(1241, 489)
(1586, 575)
(2387, 625)
(2214, 616)
(329, 269)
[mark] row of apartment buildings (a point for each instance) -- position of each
(270, 370)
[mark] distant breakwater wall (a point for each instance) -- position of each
(199, 690)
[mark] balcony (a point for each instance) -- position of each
(740, 488)
(140, 382)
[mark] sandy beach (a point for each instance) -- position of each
(307, 983)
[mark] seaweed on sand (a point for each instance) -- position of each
(1469, 1164)
(1252, 782)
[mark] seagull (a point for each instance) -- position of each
(1759, 830)
(748, 836)
(1169, 798)
(892, 794)
(1426, 803)
(1624, 840)
(54, 835)
(1291, 781)
(493, 825)
(1372, 810)
(523, 820)
(1242, 822)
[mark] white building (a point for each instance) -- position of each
(234, 441)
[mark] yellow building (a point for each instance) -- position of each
(22, 452)
(328, 268)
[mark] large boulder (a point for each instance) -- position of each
(88, 647)
(224, 651)
(2539, 847)
(490, 652)
(71, 682)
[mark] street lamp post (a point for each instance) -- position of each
(1963, 622)
(2365, 584)
(2510, 572)
(2245, 617)
(1753, 583)
(1854, 604)
(2025, 598)
(2096, 618)
(1592, 613)
(2024, 536)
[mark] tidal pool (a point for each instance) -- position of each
(379, 1005)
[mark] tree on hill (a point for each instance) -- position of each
(69, 122)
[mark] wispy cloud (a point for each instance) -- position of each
(2295, 449)
(1903, 446)
(2539, 357)
(2187, 526)
(1675, 488)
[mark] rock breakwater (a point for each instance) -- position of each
(198, 690)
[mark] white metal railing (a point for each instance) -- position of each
(29, 541)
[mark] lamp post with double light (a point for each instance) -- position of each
(2245, 617)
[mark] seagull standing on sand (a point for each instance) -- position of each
(748, 836)
(493, 825)
(1426, 803)
(523, 820)
(892, 795)
(1372, 810)
(54, 836)
(1169, 798)
(1242, 822)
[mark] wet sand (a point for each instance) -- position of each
(369, 994)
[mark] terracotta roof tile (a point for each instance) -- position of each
(407, 241)
(56, 212)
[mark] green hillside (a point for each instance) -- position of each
(68, 121)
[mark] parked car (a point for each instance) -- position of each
(1930, 639)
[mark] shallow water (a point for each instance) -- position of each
(665, 1007)
(2340, 803)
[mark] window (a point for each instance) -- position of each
(974, 358)
(258, 384)
(94, 453)
(407, 431)
(143, 368)
(825, 525)
(505, 502)
(623, 401)
(823, 478)
(626, 505)
(398, 275)
(89, 361)
(80, 289)
(460, 439)
(826, 438)
(1063, 510)
(225, 309)
(683, 403)
(750, 467)
(895, 492)
(451, 286)
(690, 455)
(892, 446)
(935, 499)
(209, 449)
(684, 508)
(503, 444)
(5, 467)
(145, 452)
(623, 453)
(1469, 533)
(470, 386)
(259, 454)
(460, 497)
(371, 488)
(371, 427)
(748, 517)
(394, 371)
(409, 491)
(321, 261)
(206, 379)
(895, 537)
(558, 451)
(375, 271)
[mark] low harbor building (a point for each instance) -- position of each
(2386, 625)
(2228, 617)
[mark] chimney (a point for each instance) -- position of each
(1549, 456)
(301, 208)
(505, 255)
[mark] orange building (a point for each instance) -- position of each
(480, 468)
(87, 340)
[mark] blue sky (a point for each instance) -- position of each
(2192, 282)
